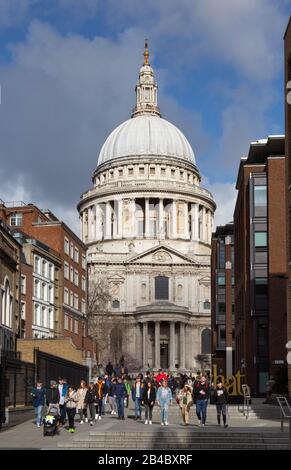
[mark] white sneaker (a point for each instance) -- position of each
(203, 425)
(150, 422)
(38, 425)
(91, 423)
(86, 420)
(100, 417)
(162, 424)
(166, 423)
(199, 422)
(82, 422)
(112, 412)
(115, 412)
(146, 421)
(96, 417)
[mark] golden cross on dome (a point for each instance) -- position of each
(146, 53)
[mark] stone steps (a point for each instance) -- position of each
(164, 439)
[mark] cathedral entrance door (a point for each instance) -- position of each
(164, 355)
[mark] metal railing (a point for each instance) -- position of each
(285, 413)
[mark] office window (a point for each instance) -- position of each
(71, 299)
(66, 322)
(23, 284)
(23, 310)
(66, 270)
(36, 264)
(36, 319)
(261, 286)
(51, 271)
(260, 195)
(83, 306)
(72, 250)
(66, 296)
(76, 255)
(43, 291)
(260, 239)
(221, 256)
(221, 279)
(76, 329)
(44, 268)
(76, 301)
(83, 283)
(66, 246)
(36, 288)
(51, 294)
(16, 219)
(221, 307)
(76, 277)
(51, 319)
(71, 274)
(162, 288)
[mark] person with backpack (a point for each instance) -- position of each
(38, 394)
(221, 400)
(148, 400)
(90, 401)
(201, 394)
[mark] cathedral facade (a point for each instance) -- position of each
(147, 223)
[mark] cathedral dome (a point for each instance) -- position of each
(148, 135)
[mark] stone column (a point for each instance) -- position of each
(172, 345)
(186, 221)
(203, 225)
(145, 345)
(133, 219)
(210, 225)
(182, 345)
(194, 221)
(147, 218)
(161, 219)
(89, 224)
(174, 219)
(119, 218)
(107, 220)
(157, 345)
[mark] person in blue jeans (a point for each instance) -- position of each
(63, 389)
(38, 395)
(201, 392)
(137, 392)
(164, 399)
(120, 394)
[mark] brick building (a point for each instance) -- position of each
(260, 263)
(10, 252)
(287, 67)
(40, 289)
(222, 299)
(57, 246)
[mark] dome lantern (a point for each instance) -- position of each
(146, 89)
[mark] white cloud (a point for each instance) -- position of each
(224, 195)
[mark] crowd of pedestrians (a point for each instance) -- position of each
(146, 391)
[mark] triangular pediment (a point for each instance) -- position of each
(161, 254)
(116, 278)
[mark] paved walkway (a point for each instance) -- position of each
(28, 436)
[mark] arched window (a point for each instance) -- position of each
(161, 288)
(206, 341)
(7, 306)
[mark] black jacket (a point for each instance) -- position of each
(220, 396)
(148, 400)
(52, 396)
(198, 387)
(90, 396)
(103, 390)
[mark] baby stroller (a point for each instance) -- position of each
(51, 421)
